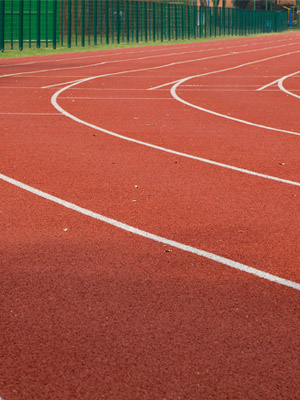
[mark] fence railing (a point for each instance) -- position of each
(81, 22)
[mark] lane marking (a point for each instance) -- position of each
(14, 65)
(181, 100)
(115, 61)
(128, 228)
(281, 87)
(60, 84)
(160, 148)
(124, 52)
(20, 113)
(139, 58)
(117, 98)
(267, 85)
(163, 85)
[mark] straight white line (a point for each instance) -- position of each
(139, 58)
(146, 144)
(60, 84)
(267, 85)
(19, 113)
(181, 246)
(163, 85)
(125, 52)
(112, 62)
(118, 98)
(13, 65)
(216, 86)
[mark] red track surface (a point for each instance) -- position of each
(90, 311)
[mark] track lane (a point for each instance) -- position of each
(97, 312)
(243, 336)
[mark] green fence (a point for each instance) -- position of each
(80, 22)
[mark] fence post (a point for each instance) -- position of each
(154, 21)
(54, 14)
(21, 25)
(29, 23)
(11, 23)
(38, 24)
(1, 25)
(146, 21)
(137, 21)
(127, 21)
(118, 21)
(46, 22)
(106, 23)
(82, 23)
(188, 22)
(69, 23)
(95, 21)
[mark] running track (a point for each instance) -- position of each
(150, 223)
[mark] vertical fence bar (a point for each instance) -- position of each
(21, 26)
(46, 21)
(146, 21)
(118, 20)
(154, 21)
(95, 21)
(137, 21)
(89, 21)
(182, 21)
(132, 20)
(112, 22)
(101, 20)
(54, 16)
(188, 22)
(29, 24)
(11, 23)
(69, 23)
(176, 21)
(38, 24)
(76, 22)
(106, 22)
(82, 23)
(2, 22)
(122, 21)
(127, 22)
(169, 20)
(62, 23)
(161, 22)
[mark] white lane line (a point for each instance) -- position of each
(163, 85)
(110, 62)
(177, 97)
(181, 246)
(16, 65)
(60, 84)
(20, 113)
(164, 149)
(117, 98)
(267, 85)
(100, 53)
(281, 87)
(135, 59)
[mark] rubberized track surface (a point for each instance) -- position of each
(150, 238)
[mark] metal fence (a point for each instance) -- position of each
(93, 22)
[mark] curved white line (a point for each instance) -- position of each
(156, 238)
(146, 144)
(242, 121)
(281, 87)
